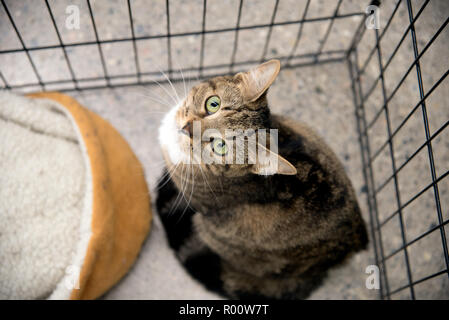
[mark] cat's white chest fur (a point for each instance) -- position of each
(169, 136)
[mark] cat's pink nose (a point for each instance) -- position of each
(188, 129)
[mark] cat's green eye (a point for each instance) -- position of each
(213, 104)
(219, 146)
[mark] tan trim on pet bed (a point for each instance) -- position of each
(120, 217)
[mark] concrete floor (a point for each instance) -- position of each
(320, 95)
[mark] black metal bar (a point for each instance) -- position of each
(270, 30)
(4, 81)
(136, 56)
(427, 132)
(97, 41)
(412, 156)
(323, 61)
(399, 84)
(241, 63)
(203, 32)
(404, 121)
(419, 281)
(404, 35)
(373, 50)
(416, 196)
(236, 38)
(387, 64)
(408, 244)
(358, 36)
(67, 60)
(298, 37)
(371, 179)
(393, 164)
(328, 31)
(169, 35)
(33, 66)
(184, 34)
(364, 167)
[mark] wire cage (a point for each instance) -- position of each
(167, 36)
(369, 54)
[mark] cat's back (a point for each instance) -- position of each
(297, 138)
(321, 179)
(302, 145)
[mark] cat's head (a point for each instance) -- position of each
(197, 129)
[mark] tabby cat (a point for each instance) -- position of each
(254, 230)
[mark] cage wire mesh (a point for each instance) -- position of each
(127, 50)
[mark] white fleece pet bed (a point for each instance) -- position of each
(66, 229)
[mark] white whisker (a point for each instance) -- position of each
(183, 82)
(191, 194)
(171, 84)
(179, 196)
(169, 173)
(159, 100)
(166, 91)
(205, 180)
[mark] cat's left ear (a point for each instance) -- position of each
(257, 80)
(273, 164)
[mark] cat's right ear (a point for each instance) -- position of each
(272, 164)
(257, 80)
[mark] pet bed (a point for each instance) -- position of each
(74, 205)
